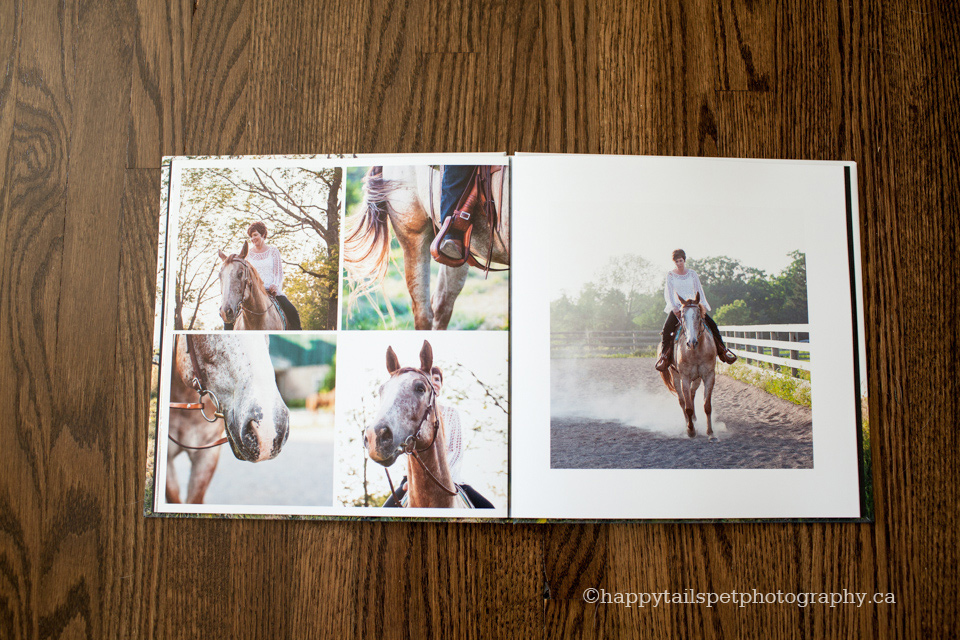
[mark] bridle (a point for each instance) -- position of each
(199, 385)
(683, 325)
(409, 446)
(245, 284)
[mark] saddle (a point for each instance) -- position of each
(477, 200)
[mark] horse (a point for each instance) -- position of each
(408, 422)
(409, 197)
(694, 360)
(245, 300)
(235, 375)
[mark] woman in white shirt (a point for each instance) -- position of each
(266, 260)
(686, 283)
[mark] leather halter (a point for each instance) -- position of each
(199, 385)
(409, 446)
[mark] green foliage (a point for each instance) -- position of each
(330, 380)
(622, 297)
(790, 389)
(735, 313)
(313, 290)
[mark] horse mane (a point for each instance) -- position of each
(254, 276)
(366, 247)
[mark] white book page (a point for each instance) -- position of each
(577, 215)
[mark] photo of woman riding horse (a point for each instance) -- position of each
(257, 247)
(684, 284)
(267, 264)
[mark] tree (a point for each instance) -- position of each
(286, 198)
(632, 275)
(735, 313)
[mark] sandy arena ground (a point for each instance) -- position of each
(617, 414)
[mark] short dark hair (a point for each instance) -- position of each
(679, 253)
(258, 226)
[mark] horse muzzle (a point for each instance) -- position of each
(380, 444)
(258, 437)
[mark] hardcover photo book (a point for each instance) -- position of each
(512, 338)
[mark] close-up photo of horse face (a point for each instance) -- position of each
(236, 374)
(266, 398)
(423, 427)
(427, 247)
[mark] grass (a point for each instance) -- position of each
(778, 383)
(482, 304)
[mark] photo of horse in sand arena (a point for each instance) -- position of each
(644, 322)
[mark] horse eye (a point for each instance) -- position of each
(420, 388)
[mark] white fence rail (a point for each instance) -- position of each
(785, 345)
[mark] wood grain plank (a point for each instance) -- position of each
(34, 204)
(746, 45)
(130, 597)
(749, 124)
(161, 55)
(82, 431)
(300, 103)
(571, 91)
(218, 104)
(920, 116)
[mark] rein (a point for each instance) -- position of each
(410, 444)
(199, 385)
(243, 296)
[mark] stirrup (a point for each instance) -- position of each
(442, 235)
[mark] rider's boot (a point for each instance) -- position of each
(725, 354)
(666, 353)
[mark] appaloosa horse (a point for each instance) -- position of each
(694, 360)
(409, 197)
(245, 299)
(232, 378)
(409, 422)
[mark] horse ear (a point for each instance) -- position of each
(243, 252)
(696, 299)
(393, 364)
(426, 357)
(436, 374)
(222, 255)
(682, 301)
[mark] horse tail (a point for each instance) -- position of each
(366, 247)
(667, 378)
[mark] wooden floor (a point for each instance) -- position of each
(92, 94)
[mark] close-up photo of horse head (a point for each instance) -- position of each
(423, 422)
(256, 395)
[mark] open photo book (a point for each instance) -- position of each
(493, 337)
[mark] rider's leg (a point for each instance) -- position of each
(723, 353)
(290, 311)
(666, 352)
(456, 178)
(394, 500)
(479, 502)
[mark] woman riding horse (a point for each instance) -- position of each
(685, 283)
(266, 260)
